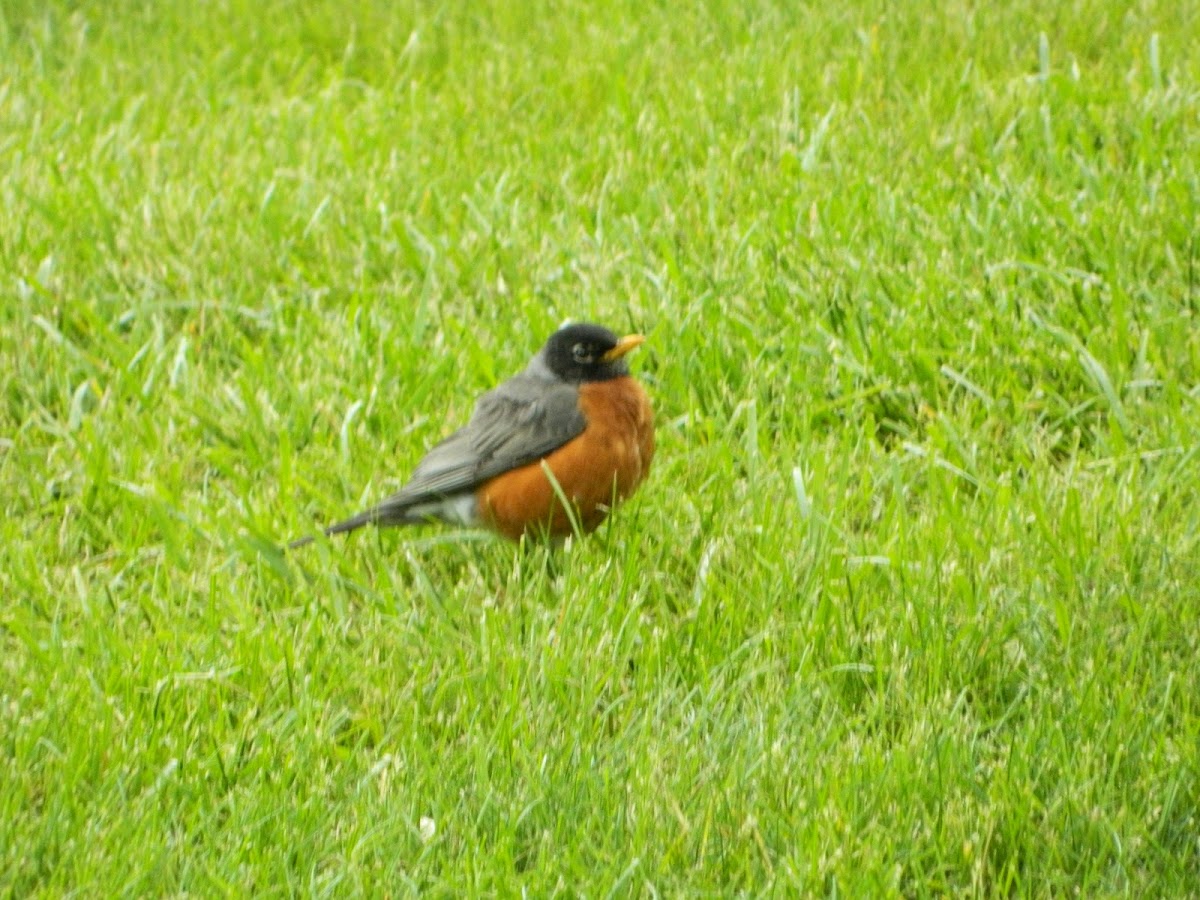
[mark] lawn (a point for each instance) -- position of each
(910, 604)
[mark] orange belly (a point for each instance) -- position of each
(599, 467)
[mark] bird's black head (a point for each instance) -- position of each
(582, 352)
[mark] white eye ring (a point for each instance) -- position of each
(580, 354)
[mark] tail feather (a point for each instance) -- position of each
(369, 517)
(383, 514)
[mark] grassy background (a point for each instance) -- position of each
(911, 603)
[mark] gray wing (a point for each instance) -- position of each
(519, 422)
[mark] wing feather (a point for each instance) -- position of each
(519, 422)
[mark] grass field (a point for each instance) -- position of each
(910, 605)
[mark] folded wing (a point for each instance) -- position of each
(519, 422)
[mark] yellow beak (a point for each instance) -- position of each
(624, 345)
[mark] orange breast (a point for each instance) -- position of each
(602, 465)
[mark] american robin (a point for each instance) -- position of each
(574, 413)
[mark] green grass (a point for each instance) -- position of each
(910, 605)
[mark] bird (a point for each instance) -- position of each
(573, 424)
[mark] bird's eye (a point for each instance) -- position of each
(580, 354)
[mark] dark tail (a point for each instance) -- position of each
(363, 518)
(383, 514)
